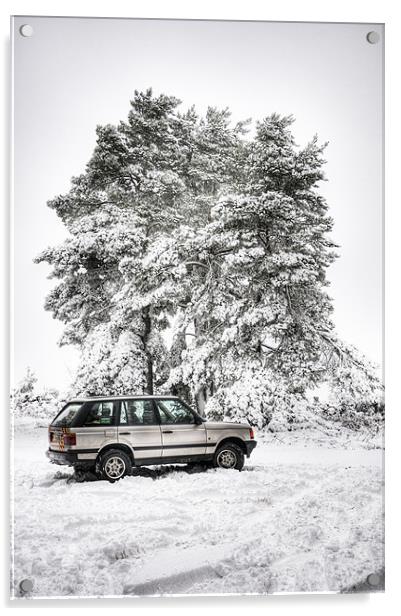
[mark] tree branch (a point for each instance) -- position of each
(197, 263)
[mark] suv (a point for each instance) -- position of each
(112, 434)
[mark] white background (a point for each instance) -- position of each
(314, 11)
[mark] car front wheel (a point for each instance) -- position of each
(114, 465)
(229, 456)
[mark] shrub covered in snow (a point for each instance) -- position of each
(261, 399)
(27, 402)
(356, 416)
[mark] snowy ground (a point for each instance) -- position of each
(298, 518)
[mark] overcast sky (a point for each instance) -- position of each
(73, 74)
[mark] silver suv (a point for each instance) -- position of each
(113, 434)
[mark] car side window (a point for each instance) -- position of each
(174, 412)
(101, 413)
(137, 412)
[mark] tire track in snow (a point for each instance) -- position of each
(258, 527)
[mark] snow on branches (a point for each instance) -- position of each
(183, 219)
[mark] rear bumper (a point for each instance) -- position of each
(62, 457)
(250, 446)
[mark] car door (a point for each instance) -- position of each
(139, 428)
(181, 435)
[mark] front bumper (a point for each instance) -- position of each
(250, 446)
(68, 458)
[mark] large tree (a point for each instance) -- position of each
(182, 222)
(145, 178)
(258, 318)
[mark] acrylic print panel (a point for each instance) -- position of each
(166, 246)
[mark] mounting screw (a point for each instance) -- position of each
(26, 586)
(373, 579)
(373, 37)
(26, 30)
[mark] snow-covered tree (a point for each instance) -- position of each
(27, 401)
(180, 218)
(258, 309)
(145, 178)
(25, 389)
(354, 382)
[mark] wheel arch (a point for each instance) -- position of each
(120, 446)
(232, 439)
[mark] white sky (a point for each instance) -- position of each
(76, 73)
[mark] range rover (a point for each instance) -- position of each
(113, 434)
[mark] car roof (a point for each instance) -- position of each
(127, 397)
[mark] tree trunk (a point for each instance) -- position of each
(149, 377)
(201, 399)
(149, 361)
(203, 395)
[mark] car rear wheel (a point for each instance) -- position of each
(115, 465)
(228, 456)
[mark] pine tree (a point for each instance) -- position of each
(145, 178)
(181, 219)
(259, 306)
(25, 389)
(27, 401)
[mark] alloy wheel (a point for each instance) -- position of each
(226, 459)
(115, 467)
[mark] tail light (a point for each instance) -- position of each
(251, 433)
(70, 439)
(52, 436)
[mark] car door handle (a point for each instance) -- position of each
(124, 433)
(168, 431)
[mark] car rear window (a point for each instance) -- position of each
(67, 415)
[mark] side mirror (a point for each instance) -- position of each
(199, 420)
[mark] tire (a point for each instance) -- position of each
(114, 465)
(229, 456)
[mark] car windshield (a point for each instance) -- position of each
(67, 415)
